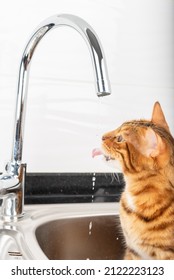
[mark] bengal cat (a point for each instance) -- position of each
(145, 152)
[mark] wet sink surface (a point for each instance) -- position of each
(96, 237)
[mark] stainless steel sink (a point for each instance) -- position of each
(64, 231)
(96, 237)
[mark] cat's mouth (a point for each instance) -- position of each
(110, 161)
(99, 152)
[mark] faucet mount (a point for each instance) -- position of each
(12, 181)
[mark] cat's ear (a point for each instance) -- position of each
(149, 144)
(158, 116)
(152, 144)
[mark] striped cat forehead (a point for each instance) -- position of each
(133, 125)
(137, 123)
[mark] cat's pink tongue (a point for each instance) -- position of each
(96, 152)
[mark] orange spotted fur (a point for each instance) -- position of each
(145, 150)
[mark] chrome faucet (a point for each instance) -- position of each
(12, 181)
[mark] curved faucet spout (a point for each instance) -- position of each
(98, 61)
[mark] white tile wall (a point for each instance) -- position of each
(65, 119)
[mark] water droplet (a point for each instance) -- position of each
(90, 225)
(90, 228)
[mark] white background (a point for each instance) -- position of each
(65, 119)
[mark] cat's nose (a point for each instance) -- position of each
(104, 137)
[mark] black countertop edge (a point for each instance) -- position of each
(73, 187)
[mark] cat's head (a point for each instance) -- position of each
(140, 145)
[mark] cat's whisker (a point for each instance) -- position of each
(116, 177)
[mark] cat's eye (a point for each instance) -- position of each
(120, 138)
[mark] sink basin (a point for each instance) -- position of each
(65, 232)
(96, 237)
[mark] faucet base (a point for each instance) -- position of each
(12, 184)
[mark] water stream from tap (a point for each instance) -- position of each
(98, 141)
(93, 186)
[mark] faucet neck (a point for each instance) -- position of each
(98, 61)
